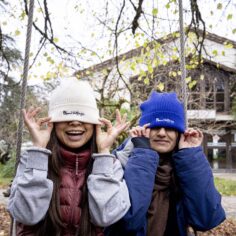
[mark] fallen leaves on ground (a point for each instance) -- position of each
(227, 228)
(5, 221)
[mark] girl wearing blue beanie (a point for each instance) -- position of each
(170, 181)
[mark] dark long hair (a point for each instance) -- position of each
(52, 223)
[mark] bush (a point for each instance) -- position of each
(8, 170)
(226, 187)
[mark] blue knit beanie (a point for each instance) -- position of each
(163, 110)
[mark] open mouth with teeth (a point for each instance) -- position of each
(74, 134)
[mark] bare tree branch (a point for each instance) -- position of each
(139, 11)
(195, 25)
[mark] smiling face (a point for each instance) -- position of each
(74, 134)
(163, 140)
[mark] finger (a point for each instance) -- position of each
(31, 108)
(36, 111)
(32, 112)
(127, 125)
(123, 127)
(194, 133)
(182, 138)
(43, 121)
(144, 128)
(146, 125)
(98, 130)
(140, 131)
(50, 125)
(133, 132)
(147, 133)
(199, 132)
(123, 120)
(106, 122)
(24, 115)
(118, 116)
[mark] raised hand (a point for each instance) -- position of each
(139, 131)
(106, 139)
(40, 129)
(191, 138)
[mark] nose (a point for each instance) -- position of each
(161, 131)
(75, 122)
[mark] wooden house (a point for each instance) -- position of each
(211, 80)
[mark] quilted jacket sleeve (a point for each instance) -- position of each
(31, 190)
(107, 190)
(201, 200)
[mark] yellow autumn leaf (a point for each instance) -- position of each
(160, 86)
(17, 32)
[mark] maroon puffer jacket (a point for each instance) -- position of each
(73, 179)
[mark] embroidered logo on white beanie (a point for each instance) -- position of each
(73, 100)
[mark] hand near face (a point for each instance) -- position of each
(140, 131)
(106, 139)
(191, 138)
(40, 129)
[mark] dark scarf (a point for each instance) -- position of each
(159, 207)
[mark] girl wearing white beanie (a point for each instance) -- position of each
(68, 182)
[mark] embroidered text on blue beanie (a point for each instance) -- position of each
(163, 110)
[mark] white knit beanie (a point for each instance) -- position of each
(73, 100)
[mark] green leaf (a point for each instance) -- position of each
(93, 54)
(215, 52)
(229, 17)
(17, 32)
(22, 15)
(39, 10)
(154, 11)
(167, 6)
(160, 86)
(55, 40)
(234, 31)
(174, 74)
(146, 81)
(223, 53)
(150, 68)
(133, 66)
(228, 45)
(192, 84)
(188, 79)
(219, 6)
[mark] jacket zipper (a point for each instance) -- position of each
(74, 191)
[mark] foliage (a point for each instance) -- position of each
(63, 44)
(225, 186)
(7, 170)
(9, 108)
(234, 108)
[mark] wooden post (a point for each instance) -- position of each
(228, 151)
(226, 95)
